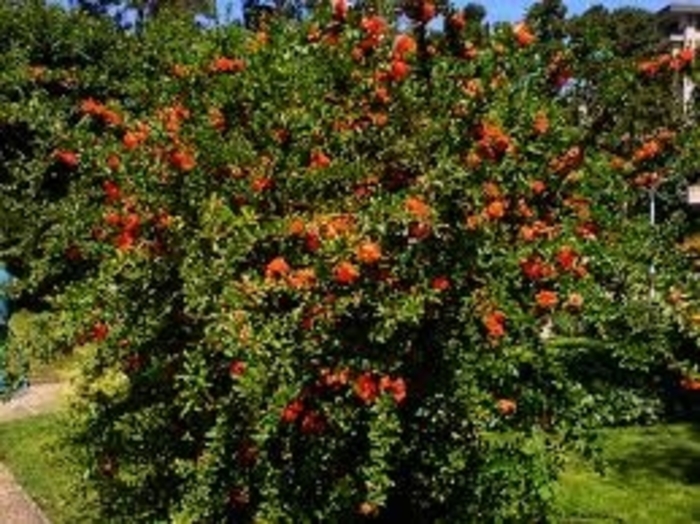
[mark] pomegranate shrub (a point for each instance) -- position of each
(338, 271)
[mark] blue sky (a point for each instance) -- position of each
(501, 10)
(512, 10)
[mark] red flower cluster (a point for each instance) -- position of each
(346, 273)
(182, 160)
(368, 387)
(494, 323)
(67, 158)
(224, 64)
(523, 34)
(677, 61)
(493, 142)
(535, 269)
(546, 299)
(100, 111)
(100, 331)
(135, 137)
(369, 253)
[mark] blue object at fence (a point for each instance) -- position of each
(5, 280)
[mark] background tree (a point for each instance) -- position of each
(548, 20)
(138, 11)
(600, 40)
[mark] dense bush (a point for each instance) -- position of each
(332, 271)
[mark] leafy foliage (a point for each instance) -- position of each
(332, 271)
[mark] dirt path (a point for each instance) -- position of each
(15, 505)
(35, 400)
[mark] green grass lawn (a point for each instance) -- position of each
(652, 477)
(31, 449)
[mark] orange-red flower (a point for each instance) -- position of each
(313, 423)
(296, 227)
(100, 330)
(346, 273)
(125, 240)
(649, 67)
(304, 278)
(113, 219)
(493, 141)
(686, 54)
(419, 230)
(182, 160)
(312, 241)
(292, 411)
(417, 207)
(523, 34)
(113, 162)
(335, 379)
(374, 27)
(690, 384)
(396, 388)
(93, 108)
(369, 253)
(399, 70)
(90, 106)
(538, 187)
(681, 59)
(535, 269)
(496, 210)
(494, 323)
(366, 388)
(224, 64)
(261, 183)
(131, 222)
(277, 267)
(111, 190)
(506, 407)
(134, 138)
(319, 160)
(567, 162)
(67, 158)
(337, 226)
(457, 21)
(440, 283)
(492, 191)
(547, 299)
(647, 151)
(237, 368)
(567, 257)
(541, 123)
(404, 46)
(340, 9)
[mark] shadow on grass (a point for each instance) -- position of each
(671, 452)
(651, 476)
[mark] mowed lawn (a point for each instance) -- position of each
(652, 475)
(33, 451)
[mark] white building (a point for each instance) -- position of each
(681, 24)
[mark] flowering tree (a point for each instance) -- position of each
(338, 271)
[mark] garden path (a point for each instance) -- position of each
(15, 505)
